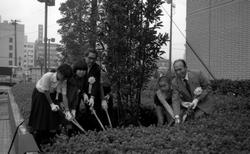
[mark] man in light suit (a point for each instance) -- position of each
(184, 85)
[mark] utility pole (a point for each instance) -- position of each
(14, 22)
(170, 39)
(49, 54)
(45, 37)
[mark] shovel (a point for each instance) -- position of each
(97, 118)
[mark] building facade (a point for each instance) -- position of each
(40, 33)
(7, 44)
(219, 32)
(52, 59)
(29, 55)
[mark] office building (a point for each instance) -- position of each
(8, 56)
(219, 32)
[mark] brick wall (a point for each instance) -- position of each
(219, 31)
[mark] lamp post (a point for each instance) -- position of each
(49, 40)
(170, 39)
(47, 3)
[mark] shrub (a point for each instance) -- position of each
(226, 86)
(22, 93)
(226, 131)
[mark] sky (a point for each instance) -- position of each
(31, 13)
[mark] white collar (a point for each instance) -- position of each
(186, 76)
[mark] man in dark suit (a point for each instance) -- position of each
(93, 80)
(185, 86)
(93, 90)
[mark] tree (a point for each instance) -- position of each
(93, 24)
(75, 27)
(133, 46)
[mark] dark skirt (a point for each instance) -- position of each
(42, 118)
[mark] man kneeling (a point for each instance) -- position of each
(191, 91)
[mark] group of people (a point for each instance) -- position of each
(187, 94)
(74, 92)
(70, 92)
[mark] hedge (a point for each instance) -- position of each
(226, 86)
(226, 131)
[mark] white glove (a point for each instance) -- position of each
(186, 104)
(107, 97)
(68, 115)
(54, 107)
(177, 119)
(91, 102)
(194, 103)
(104, 105)
(73, 113)
(85, 98)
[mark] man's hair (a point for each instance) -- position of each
(91, 51)
(66, 70)
(181, 60)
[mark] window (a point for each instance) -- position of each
(11, 40)
(10, 63)
(10, 55)
(10, 47)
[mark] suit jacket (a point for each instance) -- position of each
(95, 72)
(181, 94)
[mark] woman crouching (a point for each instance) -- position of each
(44, 117)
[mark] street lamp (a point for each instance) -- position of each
(47, 3)
(170, 39)
(50, 40)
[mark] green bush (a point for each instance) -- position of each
(226, 131)
(22, 93)
(226, 86)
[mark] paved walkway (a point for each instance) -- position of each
(5, 133)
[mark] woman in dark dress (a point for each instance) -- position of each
(44, 117)
(79, 76)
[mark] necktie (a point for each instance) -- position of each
(187, 86)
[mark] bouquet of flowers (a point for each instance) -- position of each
(197, 92)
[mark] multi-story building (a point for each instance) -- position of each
(40, 33)
(29, 52)
(219, 32)
(52, 59)
(8, 56)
